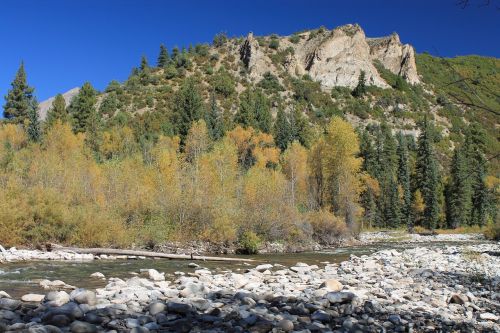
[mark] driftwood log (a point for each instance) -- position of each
(98, 251)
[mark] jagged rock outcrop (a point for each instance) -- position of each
(396, 57)
(44, 106)
(254, 58)
(336, 57)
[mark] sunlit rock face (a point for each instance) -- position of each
(335, 57)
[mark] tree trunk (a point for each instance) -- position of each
(107, 251)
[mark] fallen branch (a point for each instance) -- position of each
(107, 251)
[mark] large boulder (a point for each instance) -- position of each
(332, 285)
(83, 296)
(57, 298)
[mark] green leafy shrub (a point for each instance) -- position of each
(274, 44)
(270, 83)
(249, 243)
(294, 38)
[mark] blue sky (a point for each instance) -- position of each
(65, 43)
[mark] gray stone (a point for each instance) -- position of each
(155, 275)
(83, 327)
(321, 316)
(59, 320)
(57, 298)
(488, 316)
(340, 297)
(83, 296)
(395, 319)
(200, 304)
(9, 304)
(286, 325)
(156, 307)
(263, 267)
(36, 298)
(140, 329)
(132, 322)
(180, 308)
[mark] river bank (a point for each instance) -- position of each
(449, 289)
(201, 248)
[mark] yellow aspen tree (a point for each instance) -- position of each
(342, 169)
(296, 171)
(317, 179)
(219, 184)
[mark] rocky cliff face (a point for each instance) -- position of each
(336, 57)
(254, 58)
(396, 57)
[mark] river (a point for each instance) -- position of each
(20, 278)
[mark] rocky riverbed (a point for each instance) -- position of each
(366, 238)
(450, 289)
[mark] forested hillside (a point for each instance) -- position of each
(197, 146)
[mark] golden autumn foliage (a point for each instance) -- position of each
(56, 190)
(296, 171)
(336, 171)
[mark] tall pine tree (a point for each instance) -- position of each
(480, 195)
(57, 111)
(458, 199)
(214, 120)
(82, 108)
(163, 57)
(427, 177)
(19, 98)
(474, 145)
(188, 107)
(33, 128)
(403, 175)
(282, 130)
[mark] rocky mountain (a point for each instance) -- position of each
(335, 57)
(44, 106)
(315, 71)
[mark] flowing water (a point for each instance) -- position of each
(21, 278)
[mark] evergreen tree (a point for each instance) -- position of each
(360, 89)
(282, 130)
(427, 177)
(458, 199)
(474, 145)
(19, 98)
(57, 111)
(479, 195)
(144, 64)
(262, 112)
(387, 176)
(188, 107)
(163, 57)
(254, 110)
(403, 175)
(82, 108)
(246, 112)
(368, 153)
(299, 127)
(33, 128)
(214, 120)
(391, 211)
